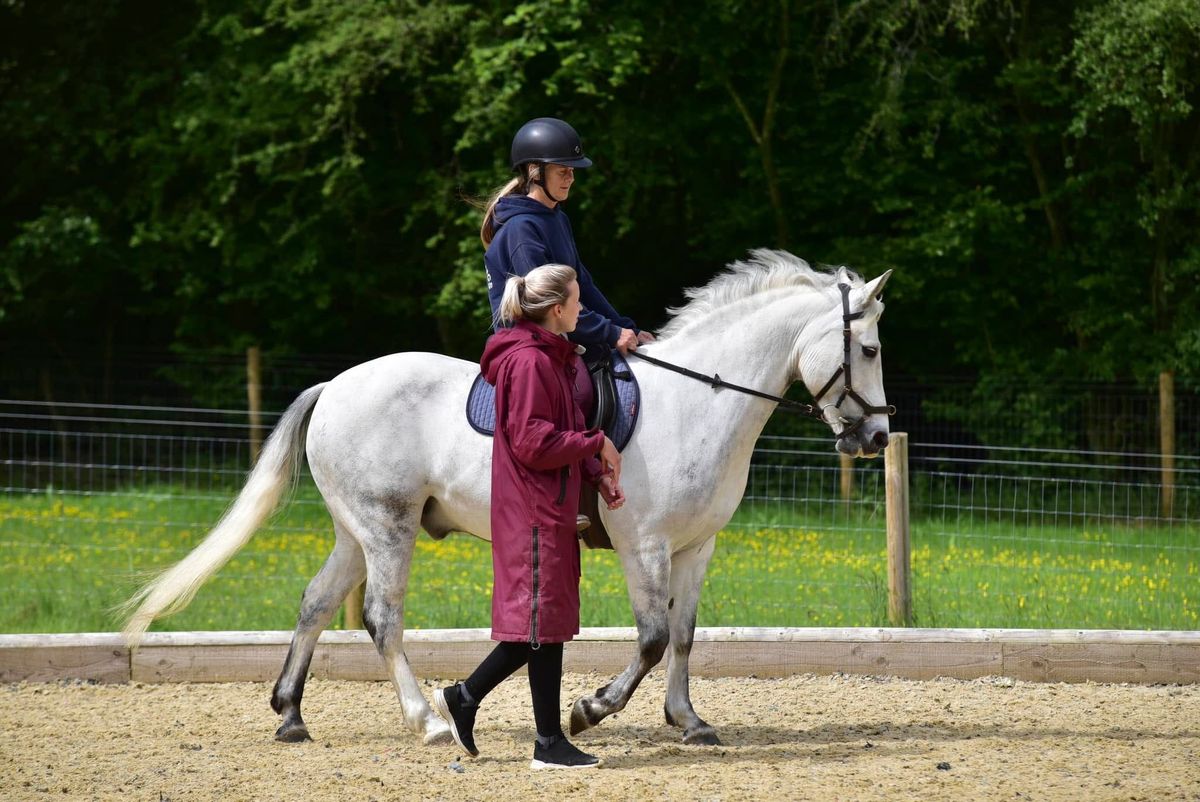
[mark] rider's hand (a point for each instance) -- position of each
(627, 342)
(612, 493)
(645, 337)
(610, 460)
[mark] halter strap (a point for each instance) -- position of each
(848, 390)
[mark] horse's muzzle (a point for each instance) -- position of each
(863, 443)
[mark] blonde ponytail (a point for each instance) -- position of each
(517, 186)
(532, 296)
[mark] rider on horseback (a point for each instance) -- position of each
(525, 227)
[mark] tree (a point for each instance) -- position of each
(79, 83)
(293, 175)
(1138, 65)
(288, 169)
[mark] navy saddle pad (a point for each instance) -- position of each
(481, 404)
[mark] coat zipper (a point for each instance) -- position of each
(562, 484)
(533, 642)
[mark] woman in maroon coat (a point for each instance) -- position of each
(540, 454)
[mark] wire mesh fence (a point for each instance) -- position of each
(97, 497)
(1000, 536)
(1027, 409)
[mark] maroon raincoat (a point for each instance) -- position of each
(540, 453)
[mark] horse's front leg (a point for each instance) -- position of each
(687, 576)
(647, 570)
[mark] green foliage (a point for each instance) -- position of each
(292, 174)
(1138, 66)
(1139, 58)
(58, 238)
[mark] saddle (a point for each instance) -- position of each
(614, 410)
(616, 395)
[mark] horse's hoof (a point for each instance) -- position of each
(292, 734)
(701, 736)
(582, 717)
(439, 736)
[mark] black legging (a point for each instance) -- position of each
(545, 679)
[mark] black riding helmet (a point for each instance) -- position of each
(548, 139)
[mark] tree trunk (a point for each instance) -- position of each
(782, 235)
(762, 131)
(1058, 237)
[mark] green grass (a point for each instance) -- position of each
(67, 559)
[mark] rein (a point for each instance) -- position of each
(716, 381)
(807, 410)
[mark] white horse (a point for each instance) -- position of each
(391, 453)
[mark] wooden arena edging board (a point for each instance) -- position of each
(1040, 655)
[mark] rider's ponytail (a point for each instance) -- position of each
(532, 296)
(517, 186)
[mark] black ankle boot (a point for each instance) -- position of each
(459, 715)
(561, 754)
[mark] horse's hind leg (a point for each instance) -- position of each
(647, 572)
(687, 576)
(343, 570)
(388, 549)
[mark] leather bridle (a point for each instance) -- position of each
(848, 391)
(808, 410)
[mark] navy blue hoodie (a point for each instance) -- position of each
(529, 235)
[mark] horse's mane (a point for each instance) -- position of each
(765, 270)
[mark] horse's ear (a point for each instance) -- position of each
(874, 289)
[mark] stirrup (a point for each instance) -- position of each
(582, 523)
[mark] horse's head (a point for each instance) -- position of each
(842, 366)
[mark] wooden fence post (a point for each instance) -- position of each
(353, 608)
(1166, 424)
(847, 476)
(899, 571)
(254, 399)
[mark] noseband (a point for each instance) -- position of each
(848, 391)
(799, 407)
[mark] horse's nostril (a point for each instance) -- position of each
(880, 439)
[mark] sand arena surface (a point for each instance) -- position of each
(806, 737)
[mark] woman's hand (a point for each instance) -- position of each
(628, 341)
(611, 492)
(645, 337)
(610, 460)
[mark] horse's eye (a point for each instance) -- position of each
(870, 351)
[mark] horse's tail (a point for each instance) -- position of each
(277, 470)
